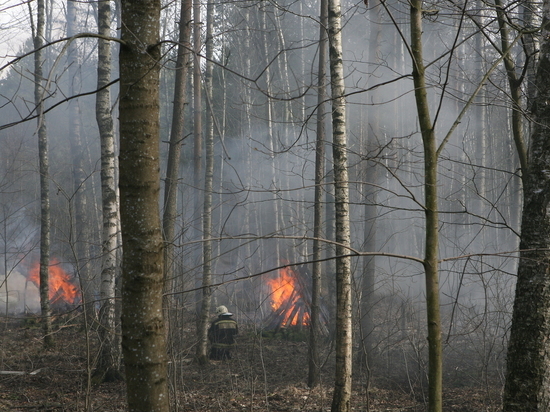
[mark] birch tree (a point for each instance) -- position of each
(341, 401)
(109, 357)
(208, 188)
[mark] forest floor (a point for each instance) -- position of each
(265, 374)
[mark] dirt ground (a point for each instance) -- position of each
(267, 373)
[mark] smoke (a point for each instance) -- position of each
(18, 295)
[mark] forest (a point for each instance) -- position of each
(363, 184)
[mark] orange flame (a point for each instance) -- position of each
(286, 298)
(61, 286)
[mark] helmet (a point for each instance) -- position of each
(222, 310)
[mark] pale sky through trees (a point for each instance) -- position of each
(14, 30)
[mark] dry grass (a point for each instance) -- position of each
(266, 374)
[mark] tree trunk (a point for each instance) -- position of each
(44, 167)
(341, 401)
(143, 338)
(108, 363)
(528, 360)
(207, 203)
(271, 171)
(176, 139)
(530, 16)
(481, 135)
(174, 153)
(245, 249)
(514, 84)
(431, 264)
(198, 178)
(369, 195)
(313, 354)
(81, 223)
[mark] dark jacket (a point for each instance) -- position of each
(222, 332)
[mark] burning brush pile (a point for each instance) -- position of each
(290, 300)
(63, 292)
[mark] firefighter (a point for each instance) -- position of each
(221, 334)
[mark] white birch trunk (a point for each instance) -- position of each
(208, 185)
(109, 358)
(341, 401)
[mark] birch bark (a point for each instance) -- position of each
(341, 401)
(109, 357)
(208, 188)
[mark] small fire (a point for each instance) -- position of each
(287, 300)
(61, 286)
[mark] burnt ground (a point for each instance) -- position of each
(267, 373)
